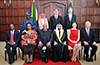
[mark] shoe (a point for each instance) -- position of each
(10, 62)
(91, 59)
(87, 59)
(75, 60)
(46, 60)
(28, 62)
(43, 60)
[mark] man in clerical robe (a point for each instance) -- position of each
(41, 21)
(60, 48)
(44, 42)
(25, 21)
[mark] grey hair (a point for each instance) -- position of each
(88, 22)
(11, 24)
(56, 9)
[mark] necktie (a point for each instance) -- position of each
(11, 37)
(59, 33)
(88, 32)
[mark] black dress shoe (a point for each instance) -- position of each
(87, 59)
(31, 62)
(43, 60)
(10, 62)
(46, 60)
(91, 59)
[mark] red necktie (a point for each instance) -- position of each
(11, 37)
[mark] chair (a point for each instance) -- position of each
(90, 48)
(17, 48)
(70, 48)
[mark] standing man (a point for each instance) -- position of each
(12, 40)
(45, 40)
(55, 19)
(88, 39)
(69, 18)
(25, 21)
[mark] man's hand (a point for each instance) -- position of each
(94, 43)
(11, 44)
(86, 43)
(65, 43)
(55, 43)
(40, 44)
(48, 44)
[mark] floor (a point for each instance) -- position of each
(20, 61)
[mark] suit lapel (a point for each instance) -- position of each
(9, 35)
(14, 35)
(86, 32)
(72, 17)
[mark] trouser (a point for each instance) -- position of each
(11, 53)
(29, 49)
(93, 51)
(46, 54)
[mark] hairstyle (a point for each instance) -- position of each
(56, 9)
(70, 7)
(11, 24)
(88, 22)
(30, 24)
(74, 22)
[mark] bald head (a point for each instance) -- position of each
(87, 24)
(45, 26)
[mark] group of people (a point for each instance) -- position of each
(46, 35)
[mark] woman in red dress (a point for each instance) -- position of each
(28, 42)
(73, 40)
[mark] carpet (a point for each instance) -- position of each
(38, 61)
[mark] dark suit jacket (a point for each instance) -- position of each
(84, 36)
(67, 22)
(54, 22)
(16, 37)
(49, 35)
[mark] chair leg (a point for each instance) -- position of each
(95, 56)
(5, 55)
(84, 56)
(19, 51)
(22, 56)
(16, 54)
(79, 55)
(81, 51)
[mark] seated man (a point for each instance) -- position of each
(88, 38)
(12, 40)
(45, 40)
(60, 48)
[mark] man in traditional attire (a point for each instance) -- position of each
(25, 21)
(60, 48)
(55, 19)
(45, 39)
(42, 20)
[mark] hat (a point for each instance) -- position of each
(28, 13)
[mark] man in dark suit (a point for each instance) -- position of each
(55, 19)
(12, 40)
(45, 40)
(88, 38)
(69, 18)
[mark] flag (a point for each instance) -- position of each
(34, 12)
(70, 5)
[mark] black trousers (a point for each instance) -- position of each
(46, 54)
(29, 49)
(93, 51)
(11, 53)
(58, 55)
